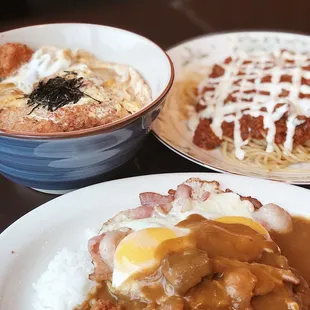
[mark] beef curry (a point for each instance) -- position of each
(227, 266)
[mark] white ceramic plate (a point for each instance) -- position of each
(170, 127)
(36, 237)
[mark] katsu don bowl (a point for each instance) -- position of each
(76, 101)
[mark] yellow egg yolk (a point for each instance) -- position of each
(244, 221)
(143, 250)
(140, 246)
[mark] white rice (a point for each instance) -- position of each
(65, 283)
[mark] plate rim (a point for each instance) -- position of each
(225, 32)
(218, 170)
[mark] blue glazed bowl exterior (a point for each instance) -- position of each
(70, 163)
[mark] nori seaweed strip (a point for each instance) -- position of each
(57, 92)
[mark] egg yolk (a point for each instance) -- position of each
(143, 250)
(244, 221)
(139, 247)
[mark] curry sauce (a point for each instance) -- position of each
(295, 246)
(227, 266)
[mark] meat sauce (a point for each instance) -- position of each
(226, 266)
(250, 126)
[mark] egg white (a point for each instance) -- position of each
(217, 205)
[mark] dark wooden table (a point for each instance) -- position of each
(166, 22)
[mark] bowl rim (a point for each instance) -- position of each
(102, 128)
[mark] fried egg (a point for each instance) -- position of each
(244, 221)
(217, 205)
(143, 250)
(155, 232)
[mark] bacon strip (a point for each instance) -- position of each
(131, 214)
(154, 199)
(102, 271)
(102, 249)
(183, 197)
(165, 207)
(183, 192)
(272, 217)
(205, 196)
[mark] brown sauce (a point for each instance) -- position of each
(253, 127)
(250, 126)
(226, 267)
(295, 246)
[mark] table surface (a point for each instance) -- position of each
(166, 22)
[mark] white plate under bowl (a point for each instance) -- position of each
(170, 127)
(36, 237)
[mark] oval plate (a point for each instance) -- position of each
(170, 127)
(30, 243)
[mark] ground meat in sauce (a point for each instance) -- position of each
(205, 137)
(250, 127)
(253, 127)
(217, 71)
(12, 56)
(104, 305)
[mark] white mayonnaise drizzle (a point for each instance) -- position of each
(45, 62)
(277, 66)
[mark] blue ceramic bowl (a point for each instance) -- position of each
(61, 162)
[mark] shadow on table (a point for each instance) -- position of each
(23, 9)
